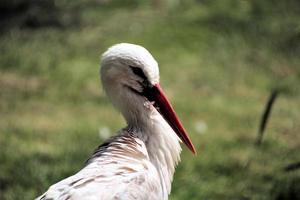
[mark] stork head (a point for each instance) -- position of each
(130, 77)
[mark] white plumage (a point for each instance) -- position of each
(139, 162)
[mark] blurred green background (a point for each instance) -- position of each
(219, 61)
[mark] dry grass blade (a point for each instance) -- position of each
(265, 116)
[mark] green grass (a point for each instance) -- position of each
(52, 104)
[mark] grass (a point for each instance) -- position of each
(53, 108)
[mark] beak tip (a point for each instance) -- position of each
(170, 116)
(195, 153)
(193, 150)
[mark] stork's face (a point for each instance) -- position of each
(129, 65)
(130, 76)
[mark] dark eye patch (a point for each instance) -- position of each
(139, 72)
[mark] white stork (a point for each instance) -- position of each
(139, 162)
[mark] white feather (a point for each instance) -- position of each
(140, 161)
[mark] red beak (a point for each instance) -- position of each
(164, 107)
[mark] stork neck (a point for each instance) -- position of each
(162, 145)
(138, 117)
(146, 123)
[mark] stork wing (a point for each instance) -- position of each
(119, 169)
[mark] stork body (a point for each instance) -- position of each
(139, 162)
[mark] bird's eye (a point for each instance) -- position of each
(139, 72)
